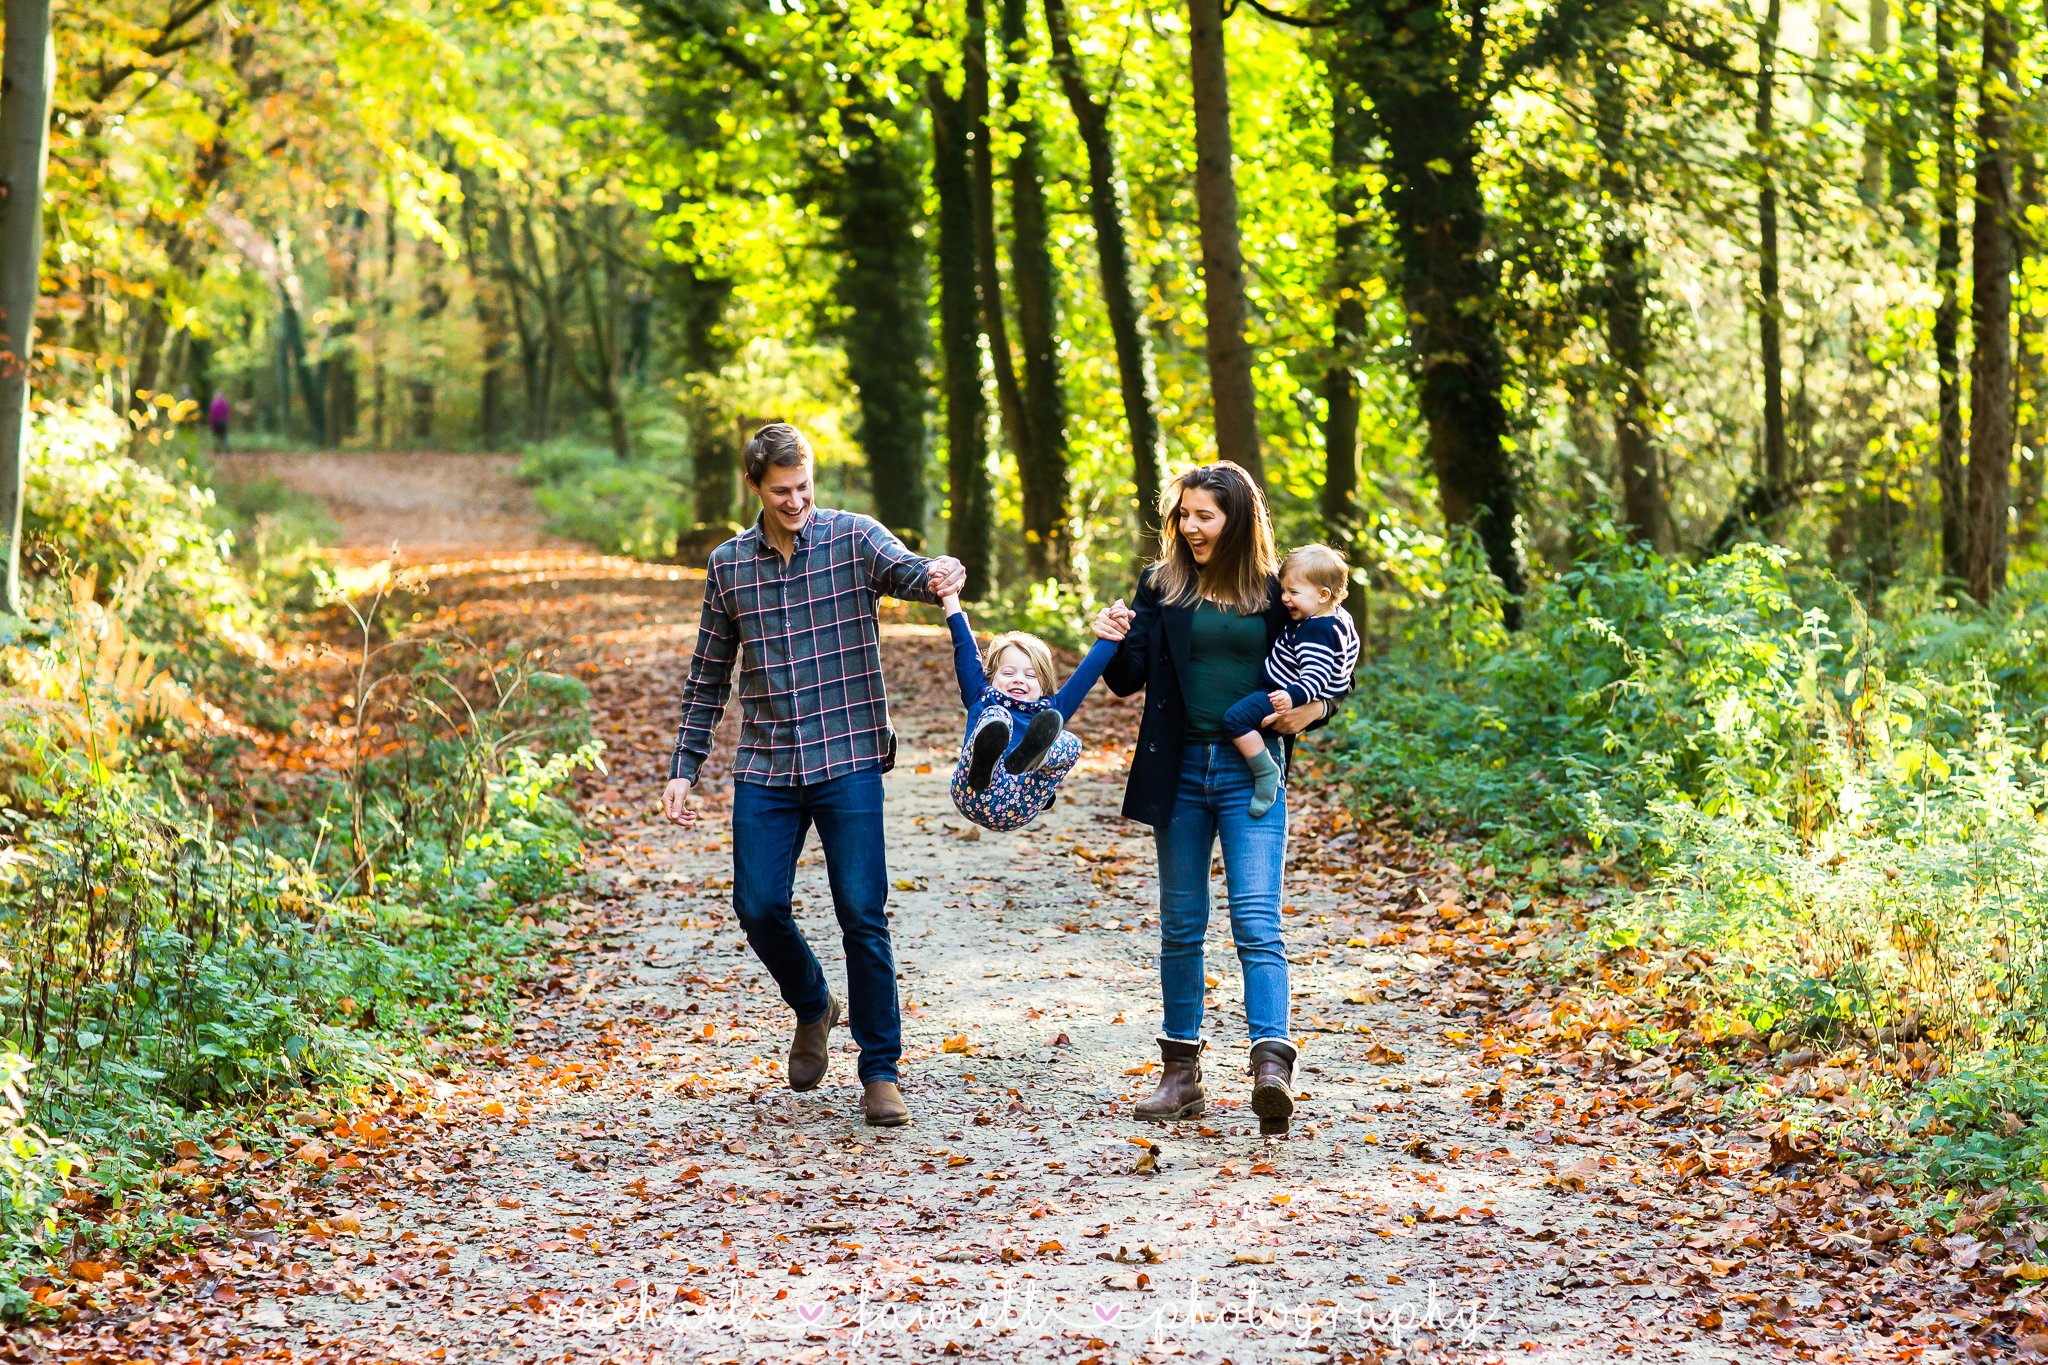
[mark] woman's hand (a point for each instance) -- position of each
(1298, 718)
(1113, 622)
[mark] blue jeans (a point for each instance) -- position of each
(1215, 788)
(768, 826)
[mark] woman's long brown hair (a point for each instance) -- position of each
(1241, 567)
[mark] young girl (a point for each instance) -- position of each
(1016, 752)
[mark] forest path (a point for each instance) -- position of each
(626, 1177)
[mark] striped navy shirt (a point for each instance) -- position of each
(1314, 657)
(812, 704)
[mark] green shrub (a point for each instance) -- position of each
(88, 506)
(1060, 613)
(1985, 1126)
(1846, 813)
(635, 508)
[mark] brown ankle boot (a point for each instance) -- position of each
(808, 1050)
(1179, 1093)
(881, 1104)
(1272, 1067)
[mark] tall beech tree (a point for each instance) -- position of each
(28, 77)
(1350, 142)
(1948, 309)
(1042, 444)
(1994, 254)
(1626, 289)
(1232, 393)
(882, 288)
(1433, 80)
(1774, 474)
(970, 521)
(1108, 212)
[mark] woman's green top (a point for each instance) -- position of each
(1225, 657)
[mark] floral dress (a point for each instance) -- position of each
(1012, 800)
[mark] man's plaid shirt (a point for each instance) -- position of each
(812, 705)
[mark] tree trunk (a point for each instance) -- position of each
(1108, 211)
(1776, 472)
(28, 78)
(1870, 184)
(1042, 460)
(1450, 288)
(1232, 392)
(1993, 255)
(970, 517)
(2029, 394)
(302, 370)
(1948, 259)
(1350, 139)
(1627, 295)
(882, 286)
(714, 433)
(1002, 362)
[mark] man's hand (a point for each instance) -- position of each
(675, 803)
(1297, 718)
(1280, 701)
(946, 576)
(1113, 622)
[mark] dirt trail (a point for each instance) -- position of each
(629, 1179)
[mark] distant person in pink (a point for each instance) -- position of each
(218, 414)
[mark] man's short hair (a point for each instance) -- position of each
(778, 444)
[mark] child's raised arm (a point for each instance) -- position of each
(966, 654)
(1084, 677)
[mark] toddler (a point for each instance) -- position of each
(1016, 752)
(1313, 658)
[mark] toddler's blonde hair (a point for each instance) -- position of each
(1035, 651)
(1319, 566)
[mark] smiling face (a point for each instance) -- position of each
(1014, 675)
(785, 494)
(1303, 598)
(1201, 523)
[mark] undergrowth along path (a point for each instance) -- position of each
(626, 1177)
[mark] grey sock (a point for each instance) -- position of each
(1265, 782)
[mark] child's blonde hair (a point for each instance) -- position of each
(1035, 651)
(1320, 567)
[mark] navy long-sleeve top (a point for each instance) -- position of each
(977, 696)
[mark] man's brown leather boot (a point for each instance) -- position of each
(882, 1103)
(1179, 1093)
(1272, 1067)
(809, 1049)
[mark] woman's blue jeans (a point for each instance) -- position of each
(1215, 789)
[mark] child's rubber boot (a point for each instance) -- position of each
(1272, 1067)
(990, 739)
(1039, 736)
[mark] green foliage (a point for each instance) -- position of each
(1059, 613)
(1845, 812)
(34, 1169)
(278, 538)
(635, 507)
(88, 505)
(158, 966)
(1985, 1126)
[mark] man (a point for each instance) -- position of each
(798, 590)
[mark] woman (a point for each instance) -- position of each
(1205, 614)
